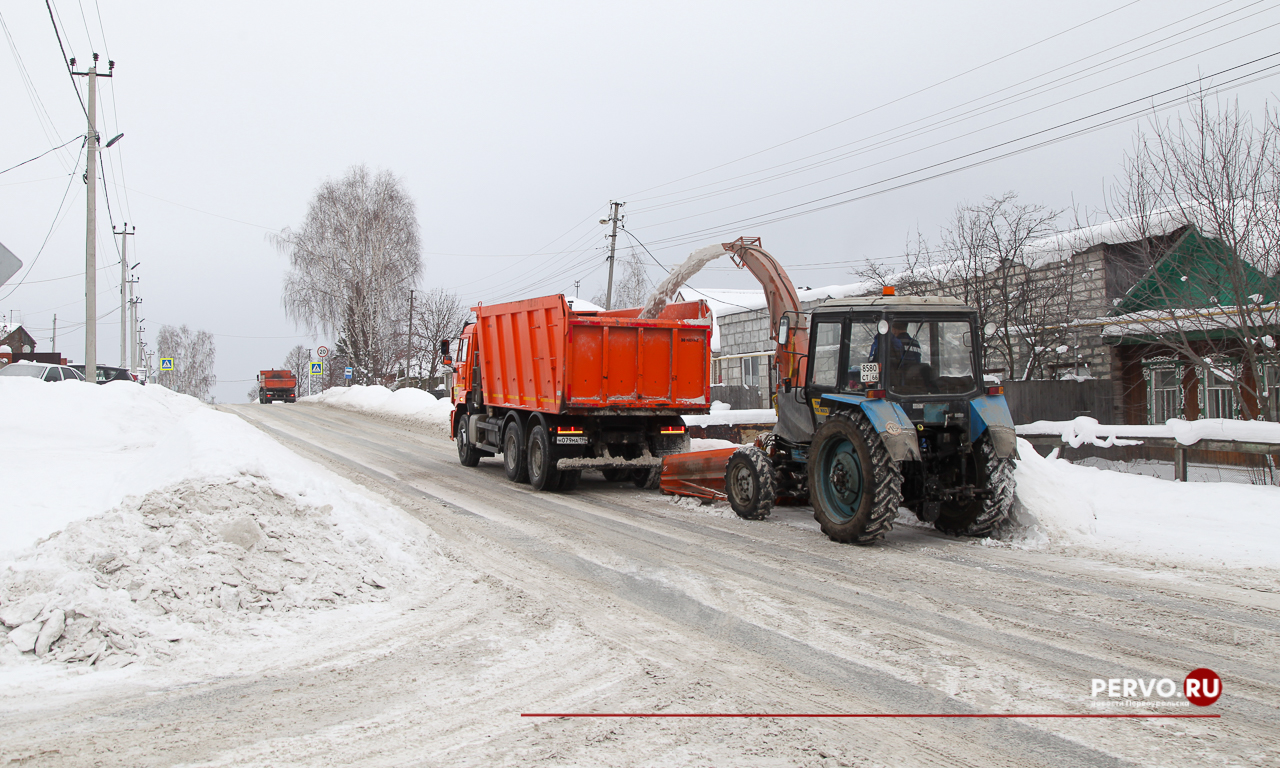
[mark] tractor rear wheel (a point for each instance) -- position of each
(981, 517)
(468, 454)
(513, 453)
(749, 483)
(854, 485)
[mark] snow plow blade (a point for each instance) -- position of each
(700, 473)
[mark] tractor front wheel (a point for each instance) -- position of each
(854, 485)
(749, 483)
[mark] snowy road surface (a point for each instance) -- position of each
(614, 600)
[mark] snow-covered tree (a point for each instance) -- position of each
(631, 284)
(352, 263)
(193, 356)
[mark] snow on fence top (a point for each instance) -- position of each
(1083, 429)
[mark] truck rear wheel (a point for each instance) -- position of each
(513, 453)
(854, 485)
(749, 483)
(468, 454)
(616, 474)
(543, 474)
(981, 517)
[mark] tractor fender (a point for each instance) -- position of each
(889, 420)
(990, 413)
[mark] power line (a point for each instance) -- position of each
(42, 154)
(894, 101)
(70, 178)
(65, 60)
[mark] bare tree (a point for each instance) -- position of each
(193, 355)
(438, 314)
(1215, 310)
(298, 362)
(633, 286)
(993, 258)
(351, 262)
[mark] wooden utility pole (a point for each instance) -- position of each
(408, 354)
(613, 247)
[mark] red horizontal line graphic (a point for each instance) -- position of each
(861, 715)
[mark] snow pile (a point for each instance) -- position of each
(727, 416)
(1138, 516)
(170, 528)
(709, 444)
(1084, 429)
(407, 404)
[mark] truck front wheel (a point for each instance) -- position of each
(854, 485)
(468, 454)
(981, 517)
(513, 453)
(543, 475)
(749, 483)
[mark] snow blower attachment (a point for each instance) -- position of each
(879, 404)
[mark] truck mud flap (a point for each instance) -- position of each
(990, 413)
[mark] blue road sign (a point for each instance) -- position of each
(166, 363)
(347, 373)
(317, 369)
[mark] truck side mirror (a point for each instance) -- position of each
(444, 347)
(786, 385)
(784, 329)
(447, 361)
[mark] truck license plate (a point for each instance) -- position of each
(572, 440)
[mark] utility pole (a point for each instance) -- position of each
(53, 343)
(91, 222)
(135, 337)
(613, 247)
(408, 355)
(124, 295)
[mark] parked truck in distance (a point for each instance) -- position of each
(556, 391)
(277, 385)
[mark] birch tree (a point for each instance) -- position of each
(352, 263)
(193, 356)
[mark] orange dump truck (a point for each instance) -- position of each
(557, 391)
(277, 385)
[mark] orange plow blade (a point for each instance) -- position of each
(700, 473)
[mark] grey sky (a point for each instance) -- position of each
(513, 124)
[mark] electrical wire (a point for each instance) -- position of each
(892, 101)
(71, 177)
(42, 154)
(48, 4)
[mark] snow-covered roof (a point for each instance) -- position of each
(1164, 321)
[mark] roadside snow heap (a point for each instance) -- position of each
(147, 525)
(408, 405)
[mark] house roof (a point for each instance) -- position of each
(1198, 271)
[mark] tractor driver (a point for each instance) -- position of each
(905, 349)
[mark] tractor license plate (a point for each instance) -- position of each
(572, 440)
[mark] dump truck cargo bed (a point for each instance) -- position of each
(540, 355)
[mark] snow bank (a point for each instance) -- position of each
(149, 526)
(408, 404)
(1203, 523)
(1084, 429)
(726, 416)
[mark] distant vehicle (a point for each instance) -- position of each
(277, 385)
(107, 373)
(42, 371)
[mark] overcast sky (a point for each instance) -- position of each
(514, 124)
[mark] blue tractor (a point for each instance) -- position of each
(881, 404)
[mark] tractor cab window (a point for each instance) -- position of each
(932, 357)
(864, 359)
(826, 353)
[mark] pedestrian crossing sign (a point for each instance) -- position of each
(317, 369)
(166, 363)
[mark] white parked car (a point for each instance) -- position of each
(42, 371)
